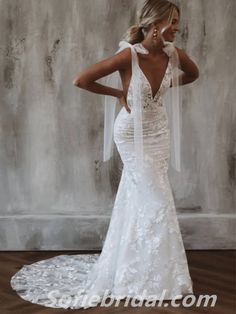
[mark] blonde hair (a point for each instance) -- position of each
(152, 11)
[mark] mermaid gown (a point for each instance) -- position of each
(143, 252)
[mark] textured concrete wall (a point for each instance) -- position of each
(55, 191)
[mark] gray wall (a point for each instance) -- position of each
(55, 190)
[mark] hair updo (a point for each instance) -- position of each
(151, 11)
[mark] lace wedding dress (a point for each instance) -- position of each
(143, 253)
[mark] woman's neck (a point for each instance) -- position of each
(154, 50)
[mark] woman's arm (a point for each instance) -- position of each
(87, 78)
(190, 69)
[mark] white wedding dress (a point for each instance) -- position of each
(143, 253)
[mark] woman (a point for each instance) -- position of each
(143, 254)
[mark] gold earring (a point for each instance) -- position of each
(155, 34)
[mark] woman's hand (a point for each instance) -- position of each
(123, 102)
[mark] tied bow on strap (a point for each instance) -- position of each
(138, 47)
(169, 48)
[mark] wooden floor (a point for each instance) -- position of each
(212, 272)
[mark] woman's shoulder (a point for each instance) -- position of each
(181, 52)
(186, 63)
(124, 57)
